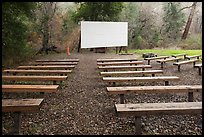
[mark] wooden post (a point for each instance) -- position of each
(166, 83)
(122, 99)
(162, 64)
(194, 64)
(199, 70)
(190, 96)
(54, 82)
(148, 62)
(114, 84)
(17, 123)
(153, 75)
(178, 67)
(138, 125)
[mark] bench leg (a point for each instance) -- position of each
(166, 83)
(199, 71)
(138, 125)
(194, 64)
(190, 96)
(122, 99)
(179, 67)
(17, 123)
(148, 62)
(162, 65)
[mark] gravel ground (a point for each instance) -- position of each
(82, 106)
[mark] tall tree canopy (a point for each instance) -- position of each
(174, 20)
(16, 17)
(98, 11)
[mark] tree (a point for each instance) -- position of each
(98, 11)
(188, 24)
(46, 12)
(16, 18)
(174, 20)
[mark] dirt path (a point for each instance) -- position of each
(82, 105)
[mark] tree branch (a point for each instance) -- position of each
(184, 8)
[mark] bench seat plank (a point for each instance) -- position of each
(198, 65)
(116, 59)
(178, 55)
(21, 105)
(154, 58)
(34, 78)
(30, 88)
(154, 89)
(145, 109)
(124, 67)
(37, 71)
(59, 60)
(54, 63)
(185, 62)
(193, 56)
(120, 63)
(47, 67)
(168, 60)
(130, 72)
(141, 79)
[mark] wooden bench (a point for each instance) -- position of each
(166, 79)
(146, 109)
(185, 62)
(154, 89)
(179, 55)
(59, 60)
(18, 106)
(199, 66)
(106, 68)
(114, 60)
(120, 63)
(194, 56)
(16, 71)
(155, 58)
(47, 67)
(54, 63)
(30, 88)
(162, 61)
(113, 73)
(35, 78)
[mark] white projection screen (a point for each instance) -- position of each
(103, 34)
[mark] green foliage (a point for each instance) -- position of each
(68, 24)
(193, 41)
(98, 11)
(130, 14)
(174, 20)
(15, 19)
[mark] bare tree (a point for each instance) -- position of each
(48, 11)
(188, 24)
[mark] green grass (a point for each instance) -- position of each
(167, 52)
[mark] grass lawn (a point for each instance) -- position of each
(166, 52)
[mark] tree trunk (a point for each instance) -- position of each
(188, 24)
